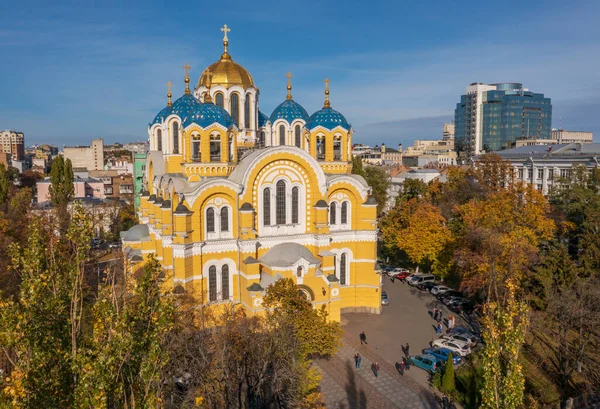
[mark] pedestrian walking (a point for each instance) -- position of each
(393, 279)
(439, 328)
(407, 350)
(376, 368)
(406, 363)
(363, 338)
(402, 367)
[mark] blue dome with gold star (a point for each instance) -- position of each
(185, 107)
(328, 118)
(208, 114)
(165, 112)
(262, 119)
(289, 110)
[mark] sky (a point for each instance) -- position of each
(73, 71)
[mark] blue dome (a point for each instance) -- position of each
(185, 106)
(166, 111)
(262, 119)
(289, 110)
(208, 114)
(327, 118)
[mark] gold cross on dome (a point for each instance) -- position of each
(289, 76)
(169, 85)
(186, 67)
(326, 81)
(225, 30)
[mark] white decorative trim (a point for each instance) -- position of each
(191, 197)
(362, 190)
(335, 292)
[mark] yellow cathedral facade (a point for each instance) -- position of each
(235, 200)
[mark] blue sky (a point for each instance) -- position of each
(76, 70)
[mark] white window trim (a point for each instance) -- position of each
(288, 228)
(338, 215)
(219, 267)
(218, 234)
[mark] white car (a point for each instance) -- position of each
(399, 270)
(439, 289)
(465, 337)
(458, 347)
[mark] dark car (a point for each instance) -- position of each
(426, 286)
(450, 293)
(462, 306)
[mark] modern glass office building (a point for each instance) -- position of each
(493, 117)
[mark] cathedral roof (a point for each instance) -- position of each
(185, 106)
(226, 72)
(328, 118)
(208, 114)
(262, 119)
(287, 254)
(289, 110)
(165, 112)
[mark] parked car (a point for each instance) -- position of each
(400, 270)
(384, 298)
(462, 306)
(439, 289)
(448, 293)
(458, 347)
(427, 362)
(427, 286)
(468, 332)
(421, 279)
(114, 245)
(449, 300)
(402, 276)
(442, 354)
(464, 337)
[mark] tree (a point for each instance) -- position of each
(379, 181)
(357, 166)
(126, 219)
(5, 186)
(448, 385)
(413, 189)
(61, 182)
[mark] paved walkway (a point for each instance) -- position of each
(345, 387)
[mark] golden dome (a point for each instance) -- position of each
(227, 73)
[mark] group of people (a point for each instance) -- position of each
(374, 366)
(437, 315)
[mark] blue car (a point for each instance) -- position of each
(442, 355)
(427, 362)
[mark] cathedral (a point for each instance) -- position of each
(235, 200)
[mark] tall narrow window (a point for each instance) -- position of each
(212, 283)
(219, 100)
(225, 219)
(210, 220)
(280, 202)
(196, 149)
(247, 111)
(344, 213)
(299, 271)
(281, 135)
(262, 139)
(337, 148)
(175, 137)
(297, 136)
(267, 207)
(225, 282)
(321, 147)
(343, 269)
(235, 108)
(215, 148)
(332, 210)
(159, 140)
(294, 205)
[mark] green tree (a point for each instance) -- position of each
(5, 186)
(61, 182)
(413, 189)
(357, 166)
(448, 384)
(379, 181)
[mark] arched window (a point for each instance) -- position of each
(281, 135)
(159, 140)
(280, 202)
(294, 205)
(344, 213)
(224, 219)
(343, 269)
(212, 283)
(299, 271)
(210, 220)
(175, 137)
(262, 139)
(215, 148)
(225, 282)
(235, 108)
(219, 100)
(320, 147)
(247, 111)
(332, 213)
(337, 148)
(267, 207)
(196, 148)
(297, 136)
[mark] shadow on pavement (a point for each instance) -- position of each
(356, 399)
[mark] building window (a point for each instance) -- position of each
(219, 100)
(344, 213)
(297, 136)
(159, 140)
(299, 271)
(280, 202)
(267, 207)
(225, 282)
(281, 135)
(196, 149)
(294, 205)
(520, 173)
(320, 147)
(343, 269)
(540, 173)
(210, 220)
(215, 148)
(565, 173)
(550, 174)
(332, 213)
(261, 141)
(225, 219)
(247, 111)
(337, 148)
(212, 283)
(175, 137)
(235, 108)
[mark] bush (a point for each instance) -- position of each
(448, 385)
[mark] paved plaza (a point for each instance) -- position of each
(405, 320)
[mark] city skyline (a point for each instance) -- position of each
(80, 73)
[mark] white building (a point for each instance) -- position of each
(89, 157)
